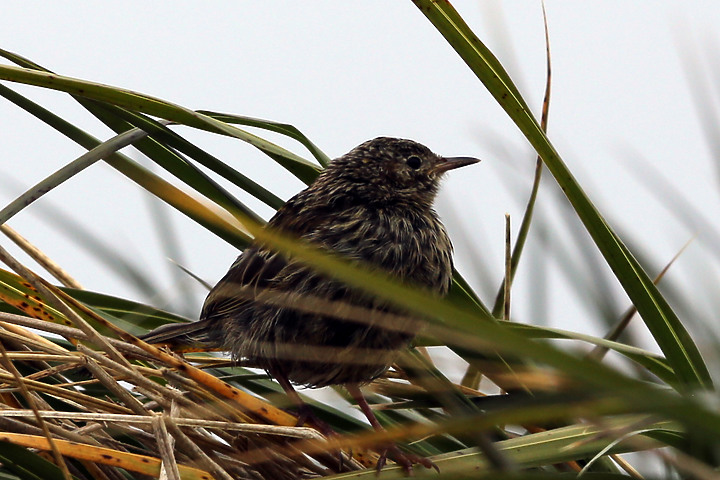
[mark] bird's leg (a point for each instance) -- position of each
(406, 460)
(305, 412)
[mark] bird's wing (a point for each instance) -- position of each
(257, 267)
(253, 270)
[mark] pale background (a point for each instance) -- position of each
(632, 82)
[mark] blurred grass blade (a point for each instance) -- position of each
(117, 261)
(461, 293)
(653, 362)
(666, 328)
(674, 200)
(171, 161)
(564, 444)
(422, 372)
(467, 329)
(100, 152)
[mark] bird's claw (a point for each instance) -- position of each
(404, 459)
(307, 415)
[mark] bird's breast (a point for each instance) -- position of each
(410, 245)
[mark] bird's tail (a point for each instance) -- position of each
(200, 336)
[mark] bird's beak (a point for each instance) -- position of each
(449, 163)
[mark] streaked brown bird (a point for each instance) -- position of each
(374, 206)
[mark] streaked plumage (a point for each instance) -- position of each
(371, 205)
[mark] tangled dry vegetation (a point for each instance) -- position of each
(97, 402)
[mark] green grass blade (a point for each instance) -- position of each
(283, 128)
(143, 177)
(661, 320)
(654, 363)
(173, 140)
(139, 314)
(26, 464)
(138, 102)
(461, 293)
(99, 152)
(564, 444)
(167, 158)
(103, 110)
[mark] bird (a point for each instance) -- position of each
(372, 206)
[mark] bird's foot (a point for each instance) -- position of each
(306, 415)
(404, 459)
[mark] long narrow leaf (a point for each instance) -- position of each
(666, 328)
(146, 179)
(283, 128)
(554, 446)
(134, 101)
(167, 158)
(103, 150)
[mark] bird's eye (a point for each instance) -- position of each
(414, 162)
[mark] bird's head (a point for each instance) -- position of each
(391, 170)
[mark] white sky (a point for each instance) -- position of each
(344, 72)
